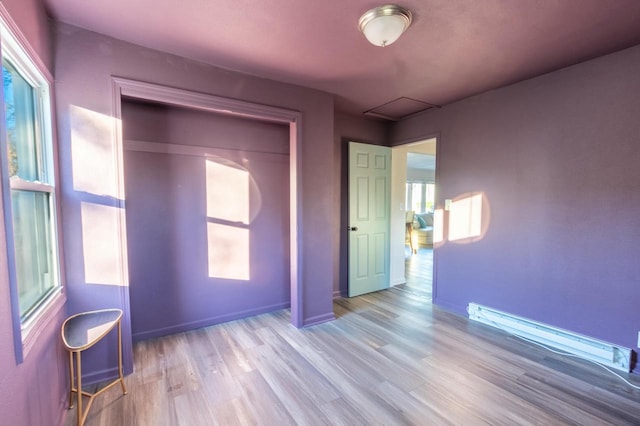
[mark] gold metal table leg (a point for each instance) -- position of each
(71, 380)
(79, 388)
(120, 369)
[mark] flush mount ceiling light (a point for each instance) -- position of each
(385, 24)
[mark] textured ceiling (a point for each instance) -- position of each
(454, 48)
(421, 161)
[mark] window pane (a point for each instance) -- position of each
(416, 197)
(407, 201)
(33, 247)
(430, 197)
(20, 115)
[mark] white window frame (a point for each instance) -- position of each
(14, 47)
(423, 195)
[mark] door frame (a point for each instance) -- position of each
(122, 87)
(399, 265)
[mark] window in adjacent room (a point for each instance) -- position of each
(420, 196)
(28, 185)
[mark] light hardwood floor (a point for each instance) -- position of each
(419, 271)
(389, 358)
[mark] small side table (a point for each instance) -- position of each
(80, 332)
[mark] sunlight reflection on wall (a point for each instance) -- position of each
(92, 153)
(228, 212)
(465, 218)
(100, 243)
(97, 189)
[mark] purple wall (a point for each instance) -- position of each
(172, 285)
(33, 392)
(32, 19)
(85, 62)
(349, 128)
(557, 160)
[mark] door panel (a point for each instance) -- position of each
(362, 243)
(381, 199)
(362, 195)
(369, 197)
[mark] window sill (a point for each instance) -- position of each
(32, 331)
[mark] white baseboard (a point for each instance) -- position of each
(605, 353)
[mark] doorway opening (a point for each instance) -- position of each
(414, 194)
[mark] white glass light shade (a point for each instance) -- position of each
(385, 24)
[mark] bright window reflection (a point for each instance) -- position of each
(100, 244)
(228, 252)
(228, 220)
(227, 192)
(92, 153)
(465, 218)
(93, 164)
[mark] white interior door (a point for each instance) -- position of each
(369, 223)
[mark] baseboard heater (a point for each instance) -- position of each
(585, 347)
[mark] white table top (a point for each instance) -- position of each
(81, 331)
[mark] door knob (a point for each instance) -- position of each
(352, 228)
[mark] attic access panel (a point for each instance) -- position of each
(399, 109)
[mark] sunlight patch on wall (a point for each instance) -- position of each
(228, 210)
(92, 152)
(228, 252)
(465, 218)
(100, 244)
(227, 191)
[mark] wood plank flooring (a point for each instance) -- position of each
(419, 271)
(389, 358)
